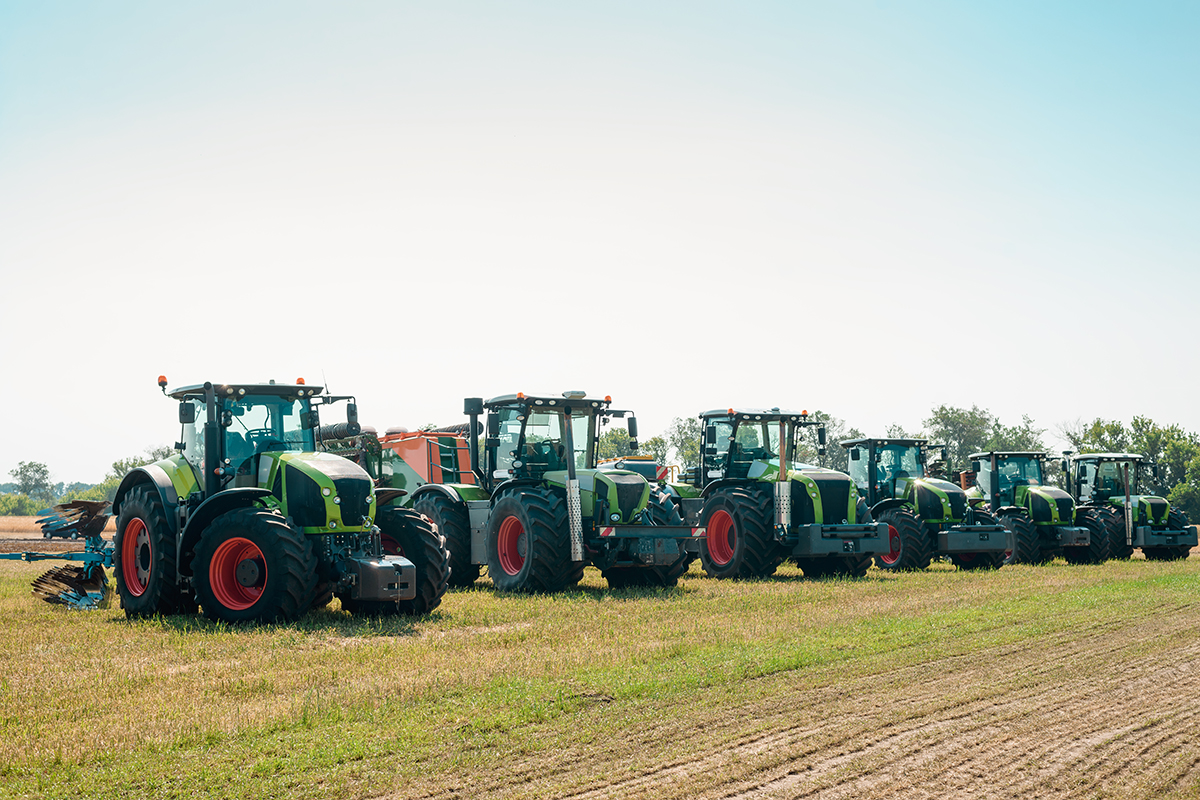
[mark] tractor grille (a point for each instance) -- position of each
(958, 504)
(353, 493)
(1158, 509)
(304, 502)
(629, 492)
(929, 505)
(835, 496)
(1066, 509)
(802, 504)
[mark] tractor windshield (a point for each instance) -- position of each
(1019, 471)
(1106, 479)
(545, 446)
(894, 461)
(752, 441)
(264, 423)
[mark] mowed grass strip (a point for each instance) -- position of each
(337, 706)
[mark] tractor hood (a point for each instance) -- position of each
(321, 492)
(620, 494)
(1147, 508)
(935, 500)
(819, 495)
(1047, 505)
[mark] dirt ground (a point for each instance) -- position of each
(1113, 714)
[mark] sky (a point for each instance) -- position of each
(868, 208)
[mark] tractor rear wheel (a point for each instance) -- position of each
(985, 560)
(1114, 524)
(739, 542)
(251, 566)
(910, 545)
(418, 542)
(1098, 548)
(662, 511)
(451, 520)
(1176, 521)
(528, 543)
(144, 557)
(1026, 549)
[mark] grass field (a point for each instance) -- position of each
(1031, 681)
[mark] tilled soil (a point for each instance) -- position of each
(1110, 713)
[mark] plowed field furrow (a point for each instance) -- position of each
(1061, 716)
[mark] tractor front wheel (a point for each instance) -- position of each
(421, 544)
(251, 566)
(1098, 545)
(1114, 524)
(1176, 521)
(1025, 546)
(739, 541)
(144, 557)
(450, 517)
(910, 545)
(662, 511)
(529, 543)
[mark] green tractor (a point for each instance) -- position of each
(926, 515)
(540, 510)
(759, 506)
(250, 522)
(1108, 485)
(1042, 521)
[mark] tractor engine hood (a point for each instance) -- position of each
(934, 499)
(1047, 505)
(621, 492)
(1147, 508)
(321, 492)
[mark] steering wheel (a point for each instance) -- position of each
(262, 439)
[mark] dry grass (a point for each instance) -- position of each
(1050, 680)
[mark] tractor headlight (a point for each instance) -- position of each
(615, 517)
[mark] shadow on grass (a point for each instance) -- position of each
(483, 586)
(327, 621)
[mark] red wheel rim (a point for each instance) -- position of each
(391, 547)
(894, 543)
(136, 557)
(235, 591)
(510, 545)
(722, 537)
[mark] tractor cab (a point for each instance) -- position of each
(749, 443)
(1001, 474)
(1100, 477)
(883, 469)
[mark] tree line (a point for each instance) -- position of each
(33, 490)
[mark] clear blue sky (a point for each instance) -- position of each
(869, 208)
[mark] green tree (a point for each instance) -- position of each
(19, 505)
(683, 438)
(1018, 437)
(963, 431)
(33, 480)
(656, 446)
(613, 444)
(836, 457)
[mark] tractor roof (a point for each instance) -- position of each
(1108, 457)
(1011, 453)
(755, 414)
(242, 389)
(902, 442)
(576, 400)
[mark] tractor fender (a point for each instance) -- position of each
(1009, 509)
(209, 510)
(156, 476)
(887, 505)
(724, 482)
(435, 488)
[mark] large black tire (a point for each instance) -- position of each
(739, 542)
(662, 511)
(984, 560)
(1098, 548)
(144, 557)
(422, 545)
(1176, 521)
(1114, 524)
(910, 545)
(251, 566)
(452, 521)
(528, 543)
(1026, 547)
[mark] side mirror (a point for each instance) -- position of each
(945, 454)
(821, 450)
(473, 406)
(710, 435)
(633, 428)
(633, 445)
(187, 413)
(976, 466)
(493, 426)
(352, 413)
(1063, 465)
(855, 455)
(821, 438)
